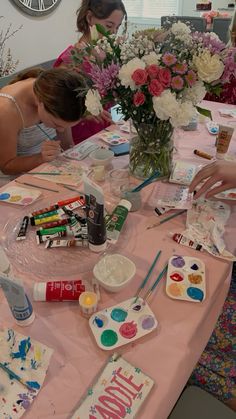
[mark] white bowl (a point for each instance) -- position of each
(114, 272)
(101, 157)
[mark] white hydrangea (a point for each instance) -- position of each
(152, 58)
(93, 102)
(166, 106)
(196, 93)
(209, 67)
(180, 28)
(127, 70)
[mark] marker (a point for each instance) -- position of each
(203, 154)
(23, 228)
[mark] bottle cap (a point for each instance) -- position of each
(98, 247)
(220, 156)
(39, 292)
(26, 322)
(126, 204)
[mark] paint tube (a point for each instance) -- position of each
(4, 262)
(23, 229)
(185, 241)
(117, 219)
(18, 301)
(38, 221)
(223, 140)
(44, 210)
(94, 200)
(58, 290)
(57, 223)
(69, 201)
(42, 239)
(80, 242)
(76, 204)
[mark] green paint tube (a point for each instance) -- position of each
(117, 219)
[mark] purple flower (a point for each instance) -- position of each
(104, 79)
(213, 44)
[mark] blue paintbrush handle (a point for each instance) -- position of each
(47, 135)
(150, 270)
(159, 278)
(146, 182)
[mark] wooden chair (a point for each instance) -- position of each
(195, 23)
(221, 28)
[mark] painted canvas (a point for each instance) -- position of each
(23, 366)
(118, 391)
(70, 172)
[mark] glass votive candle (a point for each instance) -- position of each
(118, 178)
(133, 197)
(88, 302)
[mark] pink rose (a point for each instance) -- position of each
(152, 71)
(164, 76)
(155, 88)
(139, 76)
(139, 99)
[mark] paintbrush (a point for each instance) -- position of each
(147, 276)
(48, 136)
(36, 186)
(47, 173)
(13, 375)
(146, 182)
(164, 220)
(160, 276)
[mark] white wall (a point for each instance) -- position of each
(41, 38)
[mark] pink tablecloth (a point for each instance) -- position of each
(168, 355)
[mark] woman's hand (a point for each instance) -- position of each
(219, 171)
(50, 150)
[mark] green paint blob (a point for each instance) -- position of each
(119, 315)
(109, 337)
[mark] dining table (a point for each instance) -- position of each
(169, 354)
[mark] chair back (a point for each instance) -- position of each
(221, 28)
(196, 23)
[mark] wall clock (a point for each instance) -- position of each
(36, 7)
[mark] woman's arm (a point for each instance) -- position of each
(219, 171)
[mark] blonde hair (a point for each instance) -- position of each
(101, 9)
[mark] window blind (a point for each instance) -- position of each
(151, 9)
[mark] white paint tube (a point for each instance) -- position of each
(18, 301)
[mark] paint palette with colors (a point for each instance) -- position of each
(123, 323)
(19, 196)
(186, 279)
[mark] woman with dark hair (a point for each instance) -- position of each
(109, 14)
(36, 106)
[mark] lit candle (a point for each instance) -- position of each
(88, 301)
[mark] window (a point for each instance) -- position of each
(150, 10)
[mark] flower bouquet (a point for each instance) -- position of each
(158, 77)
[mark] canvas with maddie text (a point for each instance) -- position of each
(117, 392)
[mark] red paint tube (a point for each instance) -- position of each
(185, 241)
(69, 201)
(58, 290)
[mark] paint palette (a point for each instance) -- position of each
(113, 137)
(19, 196)
(171, 195)
(186, 279)
(122, 323)
(213, 127)
(183, 172)
(80, 151)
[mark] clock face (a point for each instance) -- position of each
(37, 7)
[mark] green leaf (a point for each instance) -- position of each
(204, 112)
(102, 30)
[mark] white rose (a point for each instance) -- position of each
(93, 102)
(127, 70)
(196, 93)
(151, 58)
(209, 67)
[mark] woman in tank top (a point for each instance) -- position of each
(37, 111)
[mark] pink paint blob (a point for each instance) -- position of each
(27, 200)
(128, 330)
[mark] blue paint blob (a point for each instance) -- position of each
(33, 384)
(119, 315)
(98, 322)
(194, 267)
(23, 347)
(4, 196)
(195, 293)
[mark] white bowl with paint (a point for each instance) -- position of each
(114, 272)
(101, 157)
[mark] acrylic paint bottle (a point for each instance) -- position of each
(17, 299)
(223, 141)
(185, 241)
(117, 219)
(94, 200)
(58, 290)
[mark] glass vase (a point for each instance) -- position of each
(151, 149)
